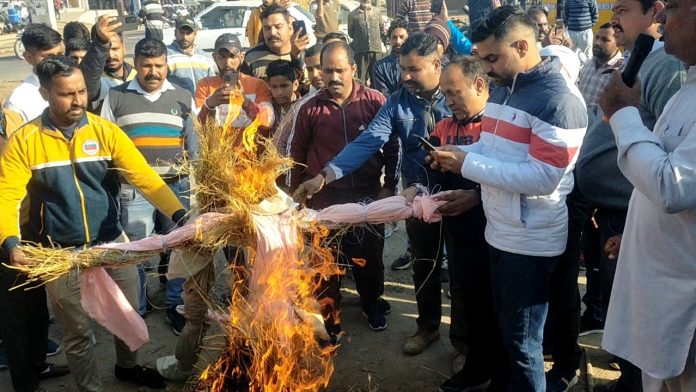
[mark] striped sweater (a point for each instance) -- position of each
(530, 137)
(161, 129)
(580, 15)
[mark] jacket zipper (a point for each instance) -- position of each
(345, 137)
(79, 191)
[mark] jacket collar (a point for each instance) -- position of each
(127, 69)
(547, 66)
(46, 123)
(177, 48)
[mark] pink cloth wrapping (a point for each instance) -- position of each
(103, 300)
(389, 209)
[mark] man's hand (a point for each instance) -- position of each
(308, 188)
(458, 201)
(443, 12)
(299, 43)
(105, 30)
(557, 37)
(617, 95)
(385, 192)
(447, 158)
(17, 258)
(410, 194)
(221, 96)
(612, 247)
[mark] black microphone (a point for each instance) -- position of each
(641, 49)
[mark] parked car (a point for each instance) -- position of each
(232, 17)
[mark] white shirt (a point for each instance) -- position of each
(652, 313)
(133, 85)
(26, 99)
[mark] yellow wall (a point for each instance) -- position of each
(604, 7)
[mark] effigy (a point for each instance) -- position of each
(272, 323)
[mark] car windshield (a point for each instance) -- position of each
(223, 18)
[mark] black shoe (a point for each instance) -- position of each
(462, 382)
(589, 326)
(555, 382)
(177, 321)
(383, 306)
(405, 261)
(375, 318)
(141, 375)
(52, 348)
(53, 371)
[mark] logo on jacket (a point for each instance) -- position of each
(174, 112)
(90, 147)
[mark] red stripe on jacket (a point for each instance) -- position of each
(551, 154)
(506, 130)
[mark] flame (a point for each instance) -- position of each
(276, 337)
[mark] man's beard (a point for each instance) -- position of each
(600, 54)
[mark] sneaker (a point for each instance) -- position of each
(53, 371)
(462, 382)
(415, 344)
(588, 326)
(52, 348)
(557, 383)
(383, 306)
(405, 261)
(168, 367)
(375, 319)
(141, 375)
(177, 321)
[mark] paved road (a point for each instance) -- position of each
(13, 69)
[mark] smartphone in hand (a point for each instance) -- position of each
(231, 78)
(425, 144)
(436, 6)
(300, 24)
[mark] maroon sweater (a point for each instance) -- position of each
(323, 128)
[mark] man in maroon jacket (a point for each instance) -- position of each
(325, 124)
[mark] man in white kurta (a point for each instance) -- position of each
(652, 314)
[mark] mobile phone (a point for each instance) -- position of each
(300, 24)
(436, 6)
(425, 144)
(231, 78)
(560, 25)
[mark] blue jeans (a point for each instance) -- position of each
(141, 219)
(521, 298)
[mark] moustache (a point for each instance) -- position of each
(274, 38)
(81, 107)
(152, 77)
(335, 84)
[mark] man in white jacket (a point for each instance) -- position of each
(531, 131)
(651, 320)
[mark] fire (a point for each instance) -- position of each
(276, 339)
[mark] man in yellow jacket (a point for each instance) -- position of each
(67, 163)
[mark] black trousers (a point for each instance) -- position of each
(427, 240)
(360, 248)
(24, 327)
(473, 319)
(563, 322)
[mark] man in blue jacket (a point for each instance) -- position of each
(411, 111)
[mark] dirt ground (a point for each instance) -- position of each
(366, 361)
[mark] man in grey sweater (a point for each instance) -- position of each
(597, 174)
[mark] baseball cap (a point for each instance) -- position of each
(227, 41)
(185, 22)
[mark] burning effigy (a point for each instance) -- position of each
(273, 329)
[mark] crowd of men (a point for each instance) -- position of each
(540, 155)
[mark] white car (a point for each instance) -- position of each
(232, 17)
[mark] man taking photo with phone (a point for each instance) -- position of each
(213, 93)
